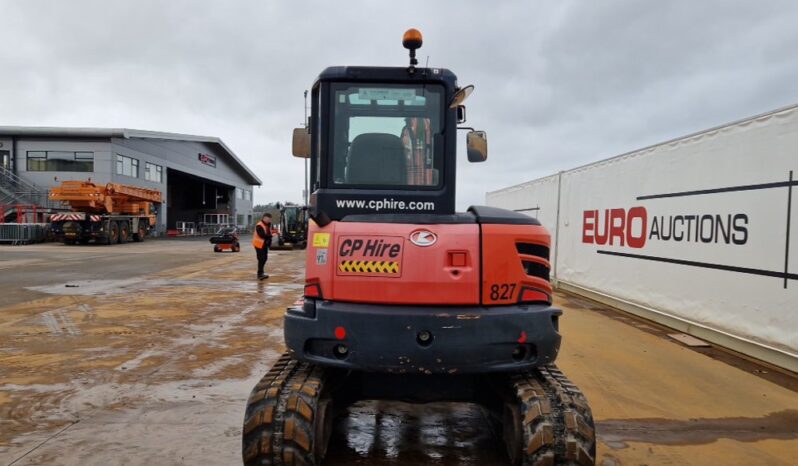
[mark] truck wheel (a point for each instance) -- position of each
(237, 247)
(124, 232)
(217, 248)
(113, 232)
(139, 237)
(303, 244)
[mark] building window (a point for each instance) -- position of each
(153, 172)
(127, 166)
(243, 194)
(60, 161)
(239, 219)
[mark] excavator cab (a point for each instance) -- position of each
(405, 298)
(383, 140)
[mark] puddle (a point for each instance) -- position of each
(35, 388)
(110, 287)
(136, 362)
(87, 287)
(390, 433)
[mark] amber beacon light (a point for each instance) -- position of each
(412, 41)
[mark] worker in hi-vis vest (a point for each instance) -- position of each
(261, 240)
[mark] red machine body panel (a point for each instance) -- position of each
(395, 263)
(515, 258)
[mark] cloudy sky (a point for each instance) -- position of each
(558, 83)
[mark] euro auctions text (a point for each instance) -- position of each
(634, 227)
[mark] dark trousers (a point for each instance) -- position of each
(263, 256)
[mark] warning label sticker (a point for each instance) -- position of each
(321, 240)
(378, 256)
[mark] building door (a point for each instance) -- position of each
(5, 159)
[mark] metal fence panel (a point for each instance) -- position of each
(23, 233)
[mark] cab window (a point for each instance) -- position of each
(387, 135)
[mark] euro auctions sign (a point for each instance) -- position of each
(633, 227)
(702, 229)
(679, 224)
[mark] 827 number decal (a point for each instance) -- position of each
(502, 291)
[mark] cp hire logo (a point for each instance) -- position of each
(423, 238)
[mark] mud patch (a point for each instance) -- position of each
(616, 433)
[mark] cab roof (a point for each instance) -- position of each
(387, 73)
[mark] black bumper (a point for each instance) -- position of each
(383, 338)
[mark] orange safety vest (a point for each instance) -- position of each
(257, 241)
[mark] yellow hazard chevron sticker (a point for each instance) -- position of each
(387, 267)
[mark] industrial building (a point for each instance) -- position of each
(203, 182)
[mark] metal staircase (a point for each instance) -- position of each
(19, 197)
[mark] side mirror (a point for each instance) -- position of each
(300, 145)
(477, 146)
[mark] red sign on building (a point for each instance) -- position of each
(207, 159)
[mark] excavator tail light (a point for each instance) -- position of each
(533, 295)
(313, 290)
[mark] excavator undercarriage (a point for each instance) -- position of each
(542, 418)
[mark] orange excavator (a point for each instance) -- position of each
(405, 298)
(107, 214)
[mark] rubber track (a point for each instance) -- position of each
(279, 420)
(557, 423)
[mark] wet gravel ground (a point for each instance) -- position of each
(146, 353)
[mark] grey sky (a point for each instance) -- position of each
(558, 83)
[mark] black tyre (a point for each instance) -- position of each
(124, 232)
(303, 244)
(289, 418)
(141, 233)
(113, 232)
(216, 248)
(548, 421)
(237, 247)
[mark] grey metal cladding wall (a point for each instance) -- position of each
(182, 156)
(102, 160)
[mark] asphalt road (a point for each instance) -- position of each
(146, 353)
